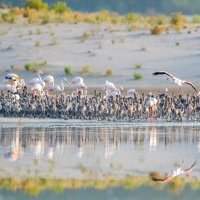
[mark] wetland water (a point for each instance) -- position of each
(84, 151)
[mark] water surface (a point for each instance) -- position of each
(96, 151)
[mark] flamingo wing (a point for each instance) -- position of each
(164, 73)
(191, 167)
(192, 85)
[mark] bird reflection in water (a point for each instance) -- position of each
(46, 142)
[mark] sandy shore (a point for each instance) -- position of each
(109, 47)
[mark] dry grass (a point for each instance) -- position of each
(38, 12)
(179, 21)
(86, 35)
(37, 44)
(86, 70)
(158, 29)
(109, 72)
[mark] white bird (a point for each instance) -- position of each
(36, 85)
(13, 81)
(151, 105)
(177, 172)
(78, 83)
(49, 81)
(37, 80)
(131, 93)
(8, 87)
(111, 89)
(52, 87)
(36, 88)
(109, 86)
(176, 80)
(11, 77)
(60, 88)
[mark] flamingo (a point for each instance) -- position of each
(49, 81)
(151, 105)
(37, 80)
(11, 77)
(36, 88)
(37, 85)
(8, 87)
(78, 83)
(131, 92)
(50, 85)
(60, 88)
(111, 89)
(176, 80)
(13, 82)
(175, 173)
(109, 86)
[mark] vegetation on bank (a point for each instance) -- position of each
(35, 66)
(35, 185)
(39, 12)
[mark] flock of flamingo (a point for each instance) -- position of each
(41, 97)
(39, 85)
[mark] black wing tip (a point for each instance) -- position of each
(194, 163)
(155, 73)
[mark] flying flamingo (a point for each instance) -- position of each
(176, 80)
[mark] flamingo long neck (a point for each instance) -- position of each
(62, 86)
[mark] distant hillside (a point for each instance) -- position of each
(124, 6)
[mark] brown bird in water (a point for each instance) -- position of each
(157, 177)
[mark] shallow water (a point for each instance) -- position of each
(111, 194)
(81, 151)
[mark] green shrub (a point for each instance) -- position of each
(36, 4)
(8, 17)
(68, 70)
(60, 7)
(132, 17)
(137, 76)
(45, 19)
(34, 67)
(196, 19)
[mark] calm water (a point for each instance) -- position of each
(95, 151)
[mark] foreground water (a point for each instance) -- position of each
(83, 151)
